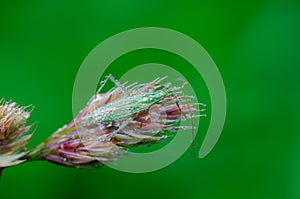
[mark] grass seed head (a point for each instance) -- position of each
(13, 128)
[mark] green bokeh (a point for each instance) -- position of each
(256, 46)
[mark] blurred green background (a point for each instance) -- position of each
(256, 47)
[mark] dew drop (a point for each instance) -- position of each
(164, 137)
(26, 115)
(145, 99)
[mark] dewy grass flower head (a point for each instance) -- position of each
(13, 128)
(125, 116)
